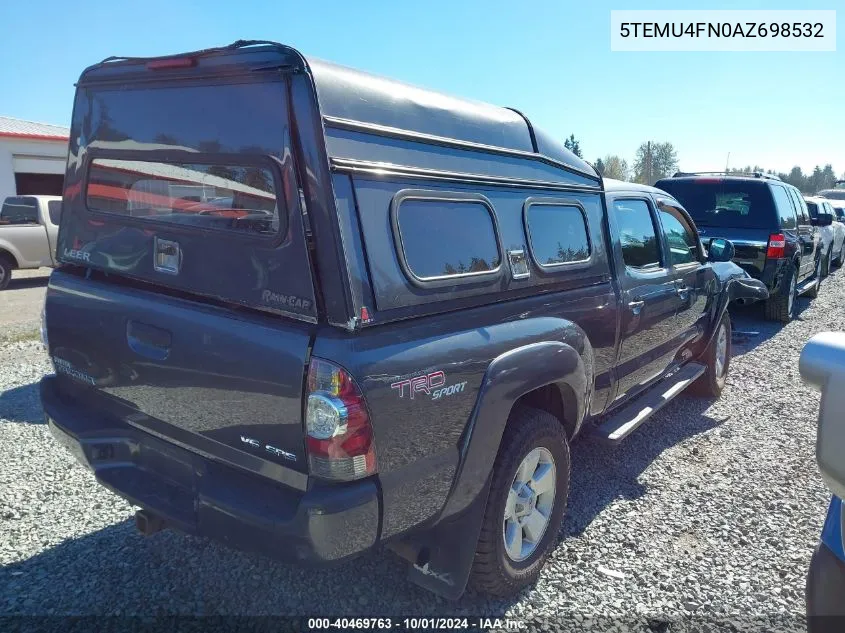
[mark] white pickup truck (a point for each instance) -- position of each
(29, 226)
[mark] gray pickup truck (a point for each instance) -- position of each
(307, 311)
(29, 227)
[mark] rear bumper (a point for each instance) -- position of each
(202, 496)
(773, 275)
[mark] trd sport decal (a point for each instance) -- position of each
(429, 384)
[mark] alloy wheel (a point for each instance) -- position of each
(529, 504)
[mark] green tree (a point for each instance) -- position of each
(573, 145)
(828, 178)
(599, 165)
(615, 167)
(796, 178)
(815, 180)
(666, 160)
(654, 161)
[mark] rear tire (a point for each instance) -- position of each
(718, 359)
(498, 568)
(782, 306)
(6, 267)
(840, 259)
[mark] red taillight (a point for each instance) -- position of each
(171, 62)
(338, 431)
(777, 246)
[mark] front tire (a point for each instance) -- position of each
(782, 306)
(526, 503)
(826, 263)
(718, 360)
(6, 266)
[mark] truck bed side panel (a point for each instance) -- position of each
(418, 438)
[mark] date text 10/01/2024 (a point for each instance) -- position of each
(415, 623)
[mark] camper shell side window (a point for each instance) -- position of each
(445, 238)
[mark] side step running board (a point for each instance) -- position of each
(623, 422)
(805, 285)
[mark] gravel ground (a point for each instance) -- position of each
(20, 304)
(709, 513)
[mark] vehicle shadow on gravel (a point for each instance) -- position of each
(749, 319)
(22, 404)
(602, 473)
(115, 570)
(27, 282)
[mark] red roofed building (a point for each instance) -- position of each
(32, 157)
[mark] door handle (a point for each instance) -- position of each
(636, 306)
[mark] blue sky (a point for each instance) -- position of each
(550, 59)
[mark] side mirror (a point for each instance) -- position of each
(822, 365)
(825, 219)
(720, 250)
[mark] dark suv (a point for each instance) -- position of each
(769, 225)
(307, 311)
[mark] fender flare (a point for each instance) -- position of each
(509, 377)
(450, 544)
(8, 247)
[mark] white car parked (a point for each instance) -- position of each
(29, 226)
(831, 230)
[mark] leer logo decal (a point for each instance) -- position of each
(72, 253)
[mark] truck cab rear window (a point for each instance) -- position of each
(443, 237)
(238, 198)
(19, 211)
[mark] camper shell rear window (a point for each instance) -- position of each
(207, 196)
(200, 155)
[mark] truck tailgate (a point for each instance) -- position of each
(183, 369)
